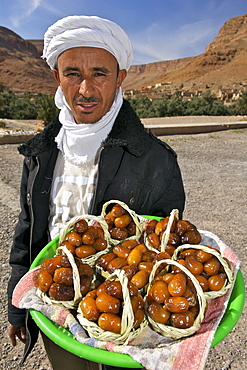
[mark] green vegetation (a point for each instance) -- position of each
(29, 106)
(41, 106)
(206, 104)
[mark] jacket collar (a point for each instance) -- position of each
(125, 132)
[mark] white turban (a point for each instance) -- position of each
(90, 31)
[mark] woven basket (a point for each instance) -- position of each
(90, 260)
(76, 279)
(230, 277)
(127, 331)
(170, 331)
(163, 243)
(134, 216)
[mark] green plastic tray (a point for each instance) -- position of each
(66, 340)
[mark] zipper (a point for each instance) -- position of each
(29, 202)
(29, 198)
(90, 210)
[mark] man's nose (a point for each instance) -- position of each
(86, 87)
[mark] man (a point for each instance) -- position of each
(95, 151)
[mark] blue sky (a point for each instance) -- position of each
(159, 29)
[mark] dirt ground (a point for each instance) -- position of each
(214, 170)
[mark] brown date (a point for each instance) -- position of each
(89, 309)
(190, 295)
(182, 320)
(110, 322)
(191, 237)
(89, 237)
(69, 246)
(92, 294)
(177, 304)
(146, 266)
(193, 265)
(81, 226)
(187, 252)
(161, 225)
(159, 291)
(177, 286)
(121, 251)
(133, 290)
(134, 302)
(173, 239)
(148, 256)
(203, 256)
(170, 249)
(168, 277)
(158, 313)
(142, 247)
(130, 270)
(138, 318)
(150, 228)
(115, 289)
(119, 234)
(100, 244)
(176, 269)
(122, 221)
(202, 281)
(51, 264)
(212, 266)
(44, 281)
(73, 238)
(85, 283)
(131, 228)
(85, 251)
(130, 243)
(117, 210)
(135, 256)
(116, 263)
(61, 292)
(63, 275)
(105, 259)
(107, 303)
(154, 240)
(102, 288)
(216, 282)
(182, 226)
(140, 279)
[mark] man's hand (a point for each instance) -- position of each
(17, 332)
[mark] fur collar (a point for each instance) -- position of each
(127, 132)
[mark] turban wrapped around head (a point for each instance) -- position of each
(88, 31)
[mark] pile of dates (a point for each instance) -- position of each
(84, 240)
(56, 278)
(181, 232)
(104, 306)
(206, 268)
(172, 300)
(135, 259)
(120, 223)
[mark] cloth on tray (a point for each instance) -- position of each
(150, 349)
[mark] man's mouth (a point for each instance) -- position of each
(87, 107)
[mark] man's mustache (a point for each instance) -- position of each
(83, 99)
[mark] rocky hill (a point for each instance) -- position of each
(223, 64)
(21, 68)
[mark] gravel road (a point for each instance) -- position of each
(214, 169)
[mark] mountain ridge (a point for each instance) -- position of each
(223, 64)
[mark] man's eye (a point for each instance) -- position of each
(72, 74)
(100, 74)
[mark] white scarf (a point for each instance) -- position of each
(79, 143)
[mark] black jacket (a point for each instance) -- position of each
(135, 167)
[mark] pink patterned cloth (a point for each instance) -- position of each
(150, 349)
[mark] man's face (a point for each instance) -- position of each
(89, 79)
